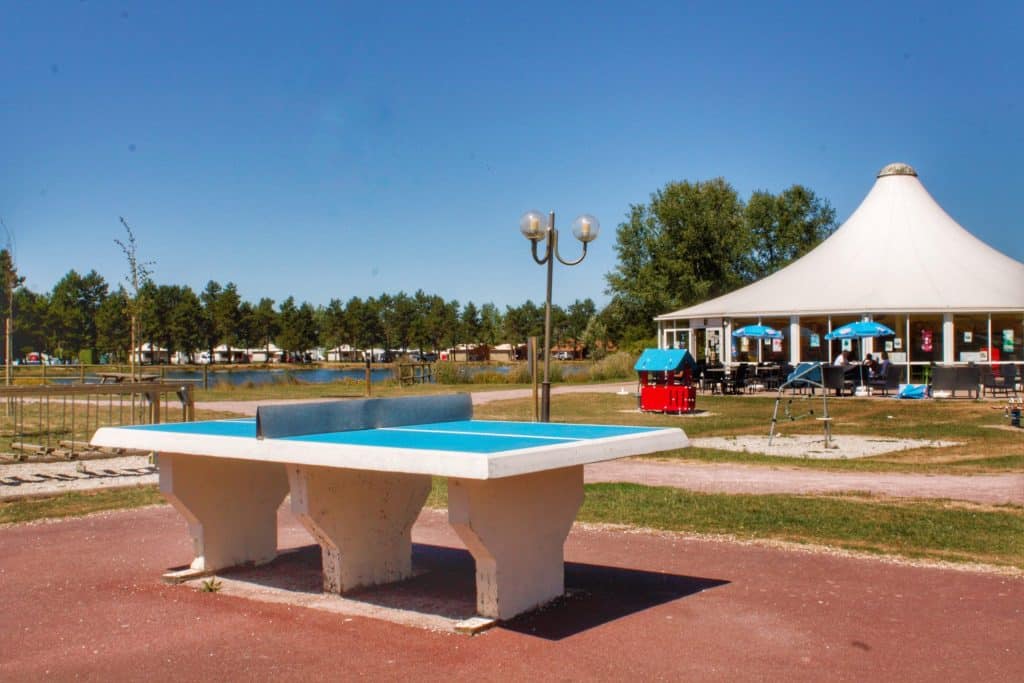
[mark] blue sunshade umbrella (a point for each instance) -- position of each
(757, 332)
(860, 330)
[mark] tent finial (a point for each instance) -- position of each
(898, 168)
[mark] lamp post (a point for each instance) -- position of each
(9, 293)
(585, 228)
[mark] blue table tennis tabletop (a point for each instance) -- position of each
(463, 436)
(480, 449)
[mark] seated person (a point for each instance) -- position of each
(842, 360)
(882, 368)
(870, 365)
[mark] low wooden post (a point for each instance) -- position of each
(189, 400)
(154, 407)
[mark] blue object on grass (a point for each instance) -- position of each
(912, 391)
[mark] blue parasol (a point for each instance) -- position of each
(757, 332)
(860, 330)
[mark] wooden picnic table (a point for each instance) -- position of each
(121, 377)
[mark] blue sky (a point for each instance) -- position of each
(339, 149)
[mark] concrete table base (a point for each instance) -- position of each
(230, 505)
(515, 528)
(362, 521)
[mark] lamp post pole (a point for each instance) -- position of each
(585, 228)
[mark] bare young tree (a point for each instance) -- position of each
(139, 273)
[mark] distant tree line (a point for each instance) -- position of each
(692, 241)
(83, 312)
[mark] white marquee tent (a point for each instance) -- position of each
(899, 259)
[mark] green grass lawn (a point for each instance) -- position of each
(982, 446)
(975, 425)
(936, 530)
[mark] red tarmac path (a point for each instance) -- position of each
(82, 598)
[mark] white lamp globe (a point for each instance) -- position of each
(533, 225)
(586, 228)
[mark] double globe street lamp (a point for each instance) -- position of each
(536, 229)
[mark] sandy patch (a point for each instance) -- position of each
(813, 446)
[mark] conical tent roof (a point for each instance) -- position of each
(899, 252)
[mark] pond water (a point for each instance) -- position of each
(379, 373)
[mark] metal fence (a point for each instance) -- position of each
(57, 421)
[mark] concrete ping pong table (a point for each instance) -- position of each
(359, 472)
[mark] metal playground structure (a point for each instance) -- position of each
(804, 376)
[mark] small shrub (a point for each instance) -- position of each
(449, 373)
(211, 585)
(616, 366)
(519, 374)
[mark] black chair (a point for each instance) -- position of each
(891, 380)
(1005, 383)
(737, 381)
(953, 379)
(1011, 375)
(834, 377)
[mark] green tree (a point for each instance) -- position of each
(398, 316)
(73, 305)
(523, 321)
(32, 327)
(208, 297)
(687, 245)
(595, 338)
(113, 326)
(491, 323)
(9, 282)
(335, 329)
(264, 323)
(298, 331)
(576, 320)
(227, 315)
(784, 227)
(471, 324)
(186, 321)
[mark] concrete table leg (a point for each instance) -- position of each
(231, 507)
(515, 528)
(362, 521)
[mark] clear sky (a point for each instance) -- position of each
(337, 149)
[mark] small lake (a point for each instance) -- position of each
(278, 376)
(260, 376)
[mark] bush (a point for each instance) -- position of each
(450, 373)
(616, 366)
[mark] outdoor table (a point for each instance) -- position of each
(359, 472)
(121, 377)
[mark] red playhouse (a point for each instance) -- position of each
(666, 381)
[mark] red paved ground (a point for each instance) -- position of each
(82, 599)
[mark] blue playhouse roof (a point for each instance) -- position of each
(663, 360)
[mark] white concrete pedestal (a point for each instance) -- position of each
(362, 521)
(515, 528)
(230, 505)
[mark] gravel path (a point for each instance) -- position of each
(29, 479)
(734, 478)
